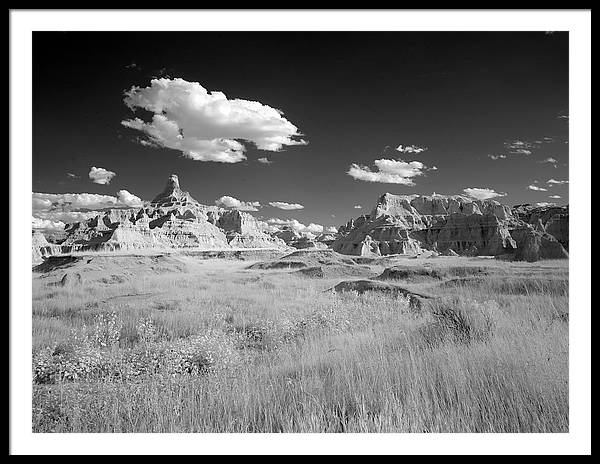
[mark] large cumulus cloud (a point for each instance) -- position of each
(207, 126)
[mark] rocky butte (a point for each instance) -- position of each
(411, 224)
(172, 220)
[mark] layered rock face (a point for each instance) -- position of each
(553, 220)
(410, 224)
(41, 248)
(171, 220)
(300, 241)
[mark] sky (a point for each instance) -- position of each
(305, 126)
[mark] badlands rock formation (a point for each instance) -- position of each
(553, 220)
(410, 224)
(41, 248)
(171, 220)
(301, 241)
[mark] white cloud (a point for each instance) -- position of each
(296, 225)
(266, 227)
(482, 193)
(233, 203)
(555, 196)
(331, 230)
(549, 160)
(536, 188)
(544, 203)
(72, 201)
(557, 182)
(101, 175)
(410, 149)
(285, 206)
(129, 199)
(66, 217)
(388, 171)
(497, 157)
(314, 228)
(519, 147)
(44, 201)
(40, 204)
(38, 223)
(73, 176)
(357, 207)
(264, 160)
(206, 126)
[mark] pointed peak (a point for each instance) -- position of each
(172, 195)
(173, 181)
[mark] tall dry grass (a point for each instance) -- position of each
(490, 356)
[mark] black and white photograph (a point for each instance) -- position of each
(263, 232)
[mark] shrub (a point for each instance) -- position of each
(104, 333)
(207, 352)
(461, 320)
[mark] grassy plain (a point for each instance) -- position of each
(174, 343)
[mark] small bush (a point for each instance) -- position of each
(461, 320)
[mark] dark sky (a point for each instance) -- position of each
(351, 95)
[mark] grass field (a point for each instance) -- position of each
(180, 344)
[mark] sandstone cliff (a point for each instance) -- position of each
(410, 224)
(41, 248)
(173, 219)
(553, 220)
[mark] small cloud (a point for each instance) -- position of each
(40, 204)
(233, 203)
(146, 143)
(389, 171)
(410, 149)
(497, 157)
(296, 225)
(101, 175)
(70, 175)
(264, 161)
(545, 204)
(520, 147)
(285, 206)
(331, 230)
(536, 188)
(133, 65)
(357, 207)
(555, 196)
(562, 116)
(557, 182)
(129, 199)
(549, 161)
(483, 193)
(47, 224)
